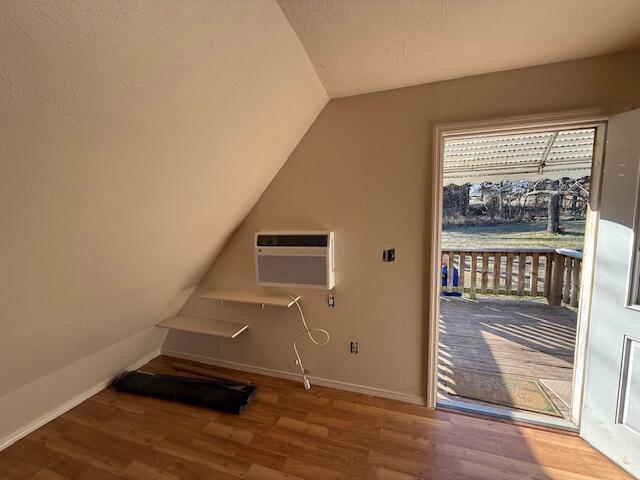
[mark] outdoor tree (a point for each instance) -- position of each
(553, 211)
(510, 201)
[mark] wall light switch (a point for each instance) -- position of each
(389, 255)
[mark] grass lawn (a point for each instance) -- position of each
(526, 234)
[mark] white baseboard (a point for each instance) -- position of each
(21, 432)
(325, 382)
(69, 404)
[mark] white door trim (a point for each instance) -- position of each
(596, 118)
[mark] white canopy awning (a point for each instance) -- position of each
(553, 155)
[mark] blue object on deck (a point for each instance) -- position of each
(445, 274)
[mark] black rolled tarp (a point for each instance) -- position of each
(227, 397)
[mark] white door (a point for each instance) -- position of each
(611, 405)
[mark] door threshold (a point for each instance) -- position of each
(530, 418)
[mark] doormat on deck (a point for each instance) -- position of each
(508, 390)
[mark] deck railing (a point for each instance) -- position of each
(548, 272)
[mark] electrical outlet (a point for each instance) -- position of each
(331, 301)
(354, 347)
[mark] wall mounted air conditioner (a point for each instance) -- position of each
(295, 259)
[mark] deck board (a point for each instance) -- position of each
(510, 337)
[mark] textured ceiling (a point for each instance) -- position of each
(134, 138)
(360, 46)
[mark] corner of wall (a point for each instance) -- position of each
(37, 403)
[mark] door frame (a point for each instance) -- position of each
(569, 120)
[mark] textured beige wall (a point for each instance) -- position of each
(134, 138)
(35, 403)
(363, 170)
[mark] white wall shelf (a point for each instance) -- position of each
(271, 300)
(216, 328)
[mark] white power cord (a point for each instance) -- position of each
(307, 332)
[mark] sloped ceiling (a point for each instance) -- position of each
(365, 46)
(134, 138)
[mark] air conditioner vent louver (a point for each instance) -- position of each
(300, 259)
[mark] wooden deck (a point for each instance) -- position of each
(508, 337)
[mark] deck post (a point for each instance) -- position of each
(557, 273)
(522, 273)
(548, 263)
(461, 268)
(535, 266)
(509, 280)
(474, 267)
(485, 272)
(566, 287)
(497, 258)
(575, 282)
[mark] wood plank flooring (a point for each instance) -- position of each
(514, 337)
(289, 433)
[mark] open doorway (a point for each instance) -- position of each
(515, 217)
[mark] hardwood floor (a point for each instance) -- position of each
(508, 337)
(290, 433)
